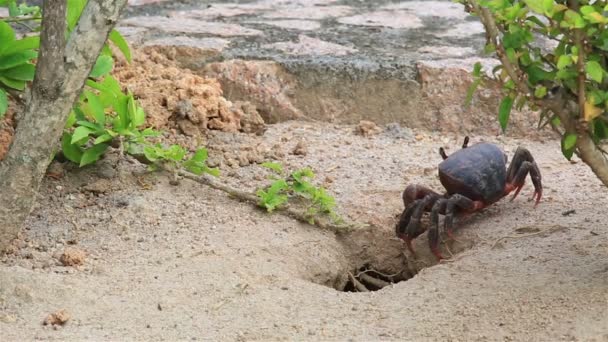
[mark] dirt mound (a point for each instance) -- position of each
(178, 99)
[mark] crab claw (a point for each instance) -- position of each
(517, 190)
(537, 194)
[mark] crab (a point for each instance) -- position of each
(474, 178)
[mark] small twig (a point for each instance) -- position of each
(379, 283)
(357, 284)
(378, 272)
(253, 199)
(542, 231)
(17, 20)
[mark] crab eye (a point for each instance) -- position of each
(506, 157)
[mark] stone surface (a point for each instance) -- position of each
(311, 46)
(338, 61)
(392, 19)
(186, 25)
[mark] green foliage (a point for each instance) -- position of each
(101, 117)
(16, 62)
(174, 157)
(579, 57)
(17, 55)
(299, 185)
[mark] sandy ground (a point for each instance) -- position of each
(186, 262)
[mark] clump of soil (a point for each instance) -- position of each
(179, 99)
(72, 257)
(59, 317)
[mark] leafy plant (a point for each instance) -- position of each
(174, 157)
(16, 62)
(101, 117)
(17, 56)
(297, 184)
(566, 79)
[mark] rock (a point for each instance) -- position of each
(105, 170)
(99, 186)
(59, 317)
(251, 120)
(395, 130)
(55, 170)
(188, 128)
(72, 257)
(301, 149)
(243, 159)
(367, 128)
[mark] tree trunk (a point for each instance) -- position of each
(61, 73)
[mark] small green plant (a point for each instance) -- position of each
(297, 184)
(102, 116)
(174, 158)
(16, 62)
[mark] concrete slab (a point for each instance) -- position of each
(346, 60)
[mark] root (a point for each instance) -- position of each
(357, 284)
(379, 283)
(389, 276)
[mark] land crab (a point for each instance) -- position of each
(474, 178)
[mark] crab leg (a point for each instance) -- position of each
(417, 200)
(447, 207)
(522, 164)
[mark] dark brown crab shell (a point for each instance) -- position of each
(478, 172)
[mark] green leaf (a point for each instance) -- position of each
(102, 138)
(276, 167)
(96, 107)
(150, 153)
(568, 145)
(564, 61)
(3, 103)
(80, 133)
(213, 171)
(504, 111)
(121, 43)
(200, 155)
(70, 151)
(102, 67)
(536, 6)
(121, 122)
(71, 120)
(540, 92)
(12, 60)
(95, 127)
(11, 83)
(595, 71)
(74, 10)
(27, 43)
(136, 113)
(23, 72)
(470, 91)
(93, 154)
(7, 36)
